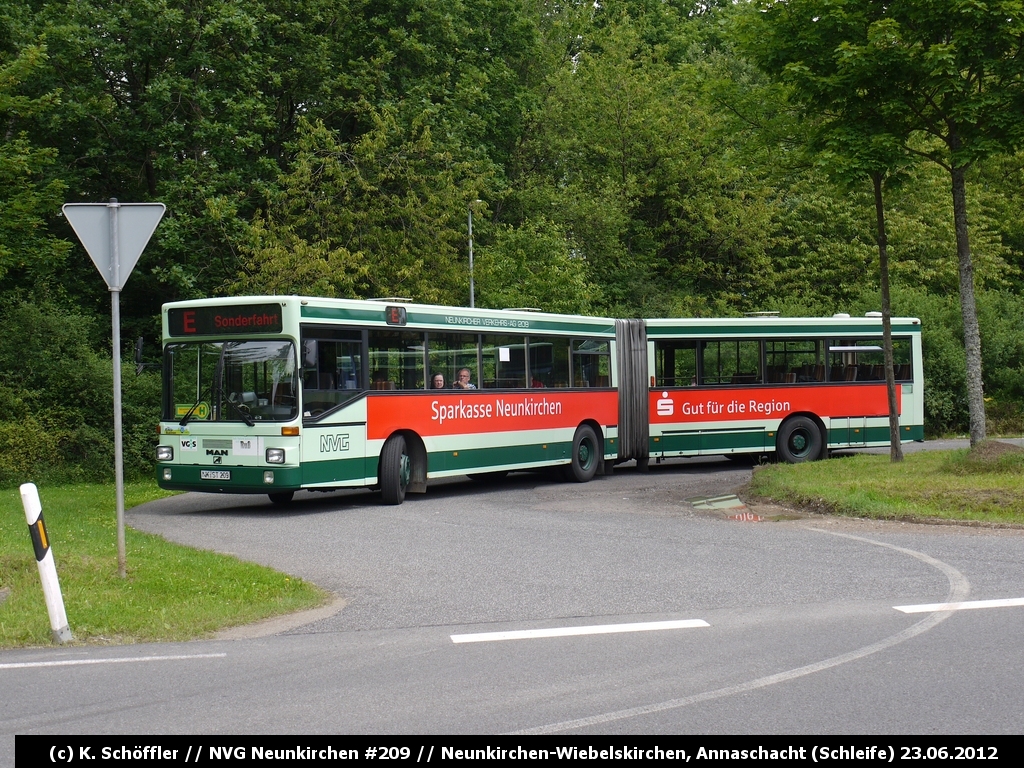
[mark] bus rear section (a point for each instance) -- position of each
(795, 388)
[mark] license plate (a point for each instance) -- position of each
(214, 474)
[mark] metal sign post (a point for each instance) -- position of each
(114, 235)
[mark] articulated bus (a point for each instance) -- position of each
(275, 394)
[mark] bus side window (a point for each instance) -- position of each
(396, 359)
(451, 352)
(331, 361)
(591, 366)
(731, 362)
(864, 359)
(549, 361)
(504, 361)
(794, 361)
(675, 363)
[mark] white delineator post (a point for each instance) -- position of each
(44, 559)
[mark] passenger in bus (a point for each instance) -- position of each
(536, 383)
(463, 382)
(438, 381)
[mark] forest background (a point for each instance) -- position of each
(626, 158)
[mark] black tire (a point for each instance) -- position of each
(585, 455)
(488, 477)
(799, 440)
(395, 471)
(281, 497)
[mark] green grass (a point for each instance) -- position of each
(938, 485)
(171, 592)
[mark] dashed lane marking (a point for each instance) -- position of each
(598, 629)
(968, 606)
(121, 660)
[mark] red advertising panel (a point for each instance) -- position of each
(702, 405)
(480, 412)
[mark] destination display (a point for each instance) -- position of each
(220, 321)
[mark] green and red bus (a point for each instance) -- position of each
(271, 394)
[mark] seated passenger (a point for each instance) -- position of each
(438, 381)
(463, 382)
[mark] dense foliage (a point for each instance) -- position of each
(632, 157)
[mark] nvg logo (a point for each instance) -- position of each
(332, 443)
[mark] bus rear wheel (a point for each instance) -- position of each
(585, 455)
(395, 471)
(281, 497)
(799, 440)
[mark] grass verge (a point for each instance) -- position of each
(171, 592)
(985, 484)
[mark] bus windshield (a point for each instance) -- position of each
(236, 381)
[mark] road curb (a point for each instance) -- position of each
(280, 624)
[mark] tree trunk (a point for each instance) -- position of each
(972, 336)
(895, 445)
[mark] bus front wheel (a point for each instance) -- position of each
(585, 455)
(395, 471)
(281, 497)
(799, 440)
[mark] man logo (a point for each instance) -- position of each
(332, 443)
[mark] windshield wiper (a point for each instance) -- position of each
(192, 410)
(238, 409)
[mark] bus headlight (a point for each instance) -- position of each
(164, 453)
(268, 477)
(275, 455)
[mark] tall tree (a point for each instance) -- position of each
(953, 71)
(845, 92)
(375, 216)
(632, 162)
(30, 193)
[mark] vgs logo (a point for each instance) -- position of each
(333, 443)
(189, 444)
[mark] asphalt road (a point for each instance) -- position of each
(801, 632)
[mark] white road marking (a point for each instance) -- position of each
(600, 629)
(122, 660)
(959, 587)
(968, 606)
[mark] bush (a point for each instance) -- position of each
(1001, 319)
(56, 397)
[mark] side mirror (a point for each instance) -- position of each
(139, 365)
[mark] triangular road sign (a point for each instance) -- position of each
(136, 223)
